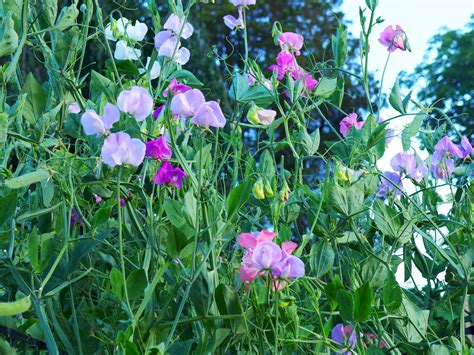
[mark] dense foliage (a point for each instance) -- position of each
(142, 214)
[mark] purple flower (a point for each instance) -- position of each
(74, 107)
(175, 88)
(187, 104)
(387, 184)
(208, 115)
(167, 42)
(76, 217)
(442, 165)
(234, 23)
(158, 149)
(97, 198)
(266, 255)
(289, 266)
(466, 147)
(308, 81)
(122, 201)
(120, 149)
(290, 41)
(446, 145)
(136, 102)
(243, 2)
(169, 175)
(393, 37)
(348, 122)
(403, 162)
(345, 336)
(157, 111)
(95, 124)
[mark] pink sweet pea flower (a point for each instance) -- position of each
(348, 122)
(169, 175)
(406, 163)
(266, 255)
(308, 81)
(120, 149)
(249, 241)
(285, 63)
(208, 115)
(466, 147)
(289, 267)
(393, 37)
(95, 124)
(234, 23)
(290, 41)
(136, 102)
(74, 108)
(187, 103)
(175, 87)
(243, 2)
(158, 149)
(97, 198)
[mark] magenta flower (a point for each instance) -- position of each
(158, 149)
(120, 149)
(308, 81)
(157, 111)
(136, 102)
(234, 23)
(169, 175)
(95, 124)
(345, 336)
(348, 122)
(290, 41)
(249, 241)
(122, 201)
(466, 147)
(97, 198)
(243, 2)
(393, 37)
(76, 217)
(391, 184)
(187, 103)
(285, 62)
(175, 88)
(208, 115)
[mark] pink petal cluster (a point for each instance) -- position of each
(193, 104)
(168, 42)
(263, 256)
(393, 37)
(120, 149)
(94, 124)
(292, 42)
(158, 149)
(169, 175)
(348, 122)
(445, 151)
(175, 87)
(136, 102)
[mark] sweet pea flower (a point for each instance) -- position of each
(116, 27)
(393, 37)
(175, 87)
(387, 184)
(169, 175)
(234, 23)
(348, 122)
(308, 81)
(208, 115)
(406, 163)
(243, 2)
(74, 108)
(76, 217)
(97, 198)
(345, 336)
(136, 102)
(157, 111)
(257, 115)
(249, 241)
(466, 147)
(158, 149)
(187, 103)
(290, 41)
(442, 163)
(179, 26)
(120, 149)
(124, 52)
(167, 42)
(136, 32)
(94, 124)
(285, 62)
(155, 69)
(266, 255)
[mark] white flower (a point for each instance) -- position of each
(124, 52)
(137, 32)
(154, 71)
(116, 25)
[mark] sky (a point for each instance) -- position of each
(421, 20)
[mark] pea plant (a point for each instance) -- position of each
(139, 215)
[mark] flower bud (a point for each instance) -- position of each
(257, 190)
(267, 188)
(258, 115)
(284, 192)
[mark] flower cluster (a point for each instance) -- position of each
(445, 151)
(348, 122)
(291, 44)
(168, 42)
(264, 257)
(346, 337)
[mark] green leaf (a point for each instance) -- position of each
(8, 36)
(326, 87)
(331, 290)
(411, 130)
(3, 130)
(123, 67)
(228, 303)
(35, 100)
(190, 207)
(16, 307)
(310, 141)
(386, 219)
(363, 303)
(186, 77)
(8, 203)
(102, 215)
(237, 197)
(136, 283)
(238, 88)
(67, 17)
(50, 11)
(414, 330)
(27, 179)
(395, 98)
(339, 47)
(99, 84)
(346, 305)
(257, 94)
(392, 293)
(374, 272)
(116, 281)
(322, 258)
(33, 247)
